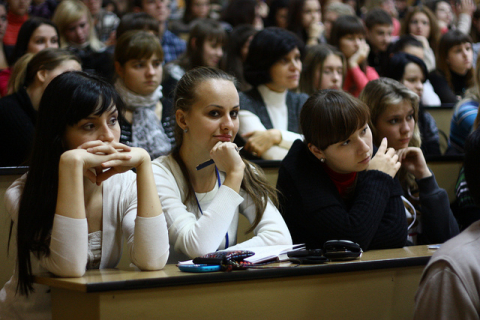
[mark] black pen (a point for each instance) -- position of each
(209, 162)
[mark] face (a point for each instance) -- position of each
(420, 25)
(159, 9)
(94, 6)
(311, 13)
(200, 8)
(68, 65)
(460, 57)
(214, 115)
(331, 74)
(389, 7)
(330, 18)
(415, 51)
(3, 21)
(351, 155)
(78, 32)
(285, 73)
(142, 76)
(380, 36)
(396, 123)
(443, 12)
(212, 53)
(350, 44)
(45, 36)
(104, 127)
(413, 78)
(281, 18)
(19, 7)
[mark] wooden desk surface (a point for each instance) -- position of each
(114, 279)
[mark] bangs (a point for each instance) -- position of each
(137, 45)
(218, 36)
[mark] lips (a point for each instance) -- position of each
(224, 137)
(365, 161)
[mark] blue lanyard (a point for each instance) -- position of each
(200, 208)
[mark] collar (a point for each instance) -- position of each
(272, 98)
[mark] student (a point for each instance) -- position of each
(324, 67)
(148, 121)
(243, 12)
(77, 34)
(17, 14)
(464, 114)
(412, 72)
(421, 23)
(173, 47)
(331, 14)
(277, 14)
(449, 286)
(454, 73)
(18, 111)
(305, 20)
(202, 207)
(269, 118)
(394, 115)
(379, 29)
(80, 197)
(194, 9)
(446, 18)
(389, 6)
(205, 48)
(331, 188)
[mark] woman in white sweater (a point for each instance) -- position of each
(79, 196)
(202, 206)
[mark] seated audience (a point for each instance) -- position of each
(202, 207)
(305, 20)
(348, 35)
(379, 29)
(454, 73)
(412, 72)
(17, 14)
(148, 121)
(446, 18)
(18, 111)
(329, 185)
(324, 67)
(449, 287)
(389, 7)
(270, 110)
(394, 115)
(80, 198)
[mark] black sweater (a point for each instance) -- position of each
(315, 212)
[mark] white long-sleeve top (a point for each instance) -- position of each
(275, 103)
(147, 240)
(193, 234)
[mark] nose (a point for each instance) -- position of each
(48, 44)
(227, 123)
(106, 134)
(336, 76)
(405, 128)
(220, 52)
(364, 146)
(419, 85)
(150, 69)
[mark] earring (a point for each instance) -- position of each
(322, 160)
(185, 130)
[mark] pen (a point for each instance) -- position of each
(209, 162)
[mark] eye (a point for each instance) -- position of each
(410, 117)
(365, 130)
(346, 142)
(113, 120)
(393, 121)
(88, 126)
(214, 113)
(234, 114)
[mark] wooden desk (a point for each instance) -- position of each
(381, 285)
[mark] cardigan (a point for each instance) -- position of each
(356, 79)
(146, 239)
(450, 284)
(194, 234)
(315, 213)
(17, 128)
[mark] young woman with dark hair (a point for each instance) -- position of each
(148, 121)
(331, 188)
(278, 14)
(194, 10)
(324, 67)
(18, 111)
(204, 48)
(236, 53)
(348, 35)
(394, 115)
(305, 20)
(454, 73)
(80, 197)
(412, 72)
(270, 110)
(202, 206)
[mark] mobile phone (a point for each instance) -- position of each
(198, 268)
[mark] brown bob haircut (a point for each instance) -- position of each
(331, 116)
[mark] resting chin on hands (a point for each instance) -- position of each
(227, 159)
(385, 160)
(413, 161)
(260, 141)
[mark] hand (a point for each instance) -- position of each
(315, 30)
(227, 158)
(138, 157)
(413, 161)
(423, 40)
(466, 6)
(260, 141)
(385, 160)
(359, 56)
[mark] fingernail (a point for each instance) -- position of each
(89, 149)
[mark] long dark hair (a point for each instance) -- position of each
(68, 98)
(254, 182)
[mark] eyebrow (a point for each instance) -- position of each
(221, 107)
